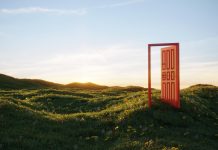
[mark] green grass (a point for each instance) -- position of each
(112, 118)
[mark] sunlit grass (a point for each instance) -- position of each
(115, 118)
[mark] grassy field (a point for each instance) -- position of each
(111, 118)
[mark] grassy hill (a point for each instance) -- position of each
(89, 85)
(8, 82)
(112, 118)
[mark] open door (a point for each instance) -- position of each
(170, 76)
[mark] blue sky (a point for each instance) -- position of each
(105, 41)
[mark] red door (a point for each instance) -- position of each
(170, 76)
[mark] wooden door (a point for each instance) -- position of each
(170, 76)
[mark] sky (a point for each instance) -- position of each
(105, 42)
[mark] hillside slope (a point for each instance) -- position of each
(107, 119)
(88, 85)
(7, 82)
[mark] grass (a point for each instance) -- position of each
(112, 118)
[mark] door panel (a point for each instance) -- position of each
(170, 75)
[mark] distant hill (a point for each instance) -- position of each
(88, 85)
(7, 82)
(126, 89)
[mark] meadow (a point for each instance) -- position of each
(109, 118)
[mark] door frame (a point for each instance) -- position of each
(149, 68)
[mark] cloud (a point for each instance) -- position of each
(79, 12)
(30, 10)
(121, 4)
(110, 65)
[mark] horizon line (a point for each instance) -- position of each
(98, 84)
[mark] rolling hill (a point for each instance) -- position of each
(8, 82)
(88, 85)
(112, 118)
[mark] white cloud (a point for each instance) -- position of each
(79, 12)
(30, 10)
(113, 65)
